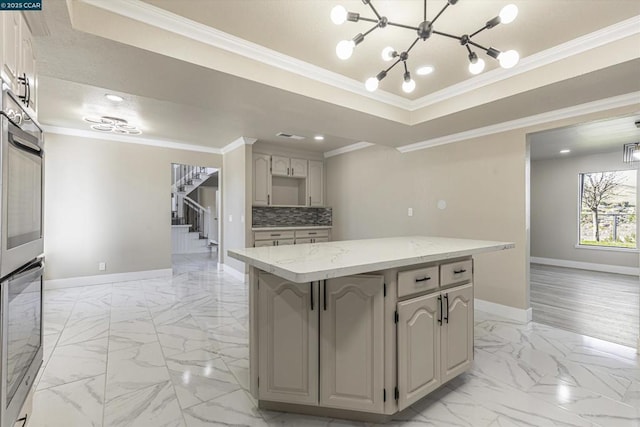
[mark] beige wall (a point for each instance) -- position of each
(106, 201)
(236, 202)
(482, 182)
(554, 209)
(485, 182)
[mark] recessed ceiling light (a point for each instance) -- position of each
(319, 138)
(565, 151)
(114, 98)
(423, 71)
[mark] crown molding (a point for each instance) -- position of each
(160, 18)
(129, 139)
(238, 143)
(550, 116)
(347, 149)
(562, 51)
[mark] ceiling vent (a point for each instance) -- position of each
(289, 136)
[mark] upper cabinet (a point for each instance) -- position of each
(287, 181)
(285, 166)
(18, 69)
(261, 180)
(315, 183)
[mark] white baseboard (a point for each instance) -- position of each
(72, 282)
(511, 313)
(606, 268)
(235, 273)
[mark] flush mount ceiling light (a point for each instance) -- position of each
(113, 125)
(631, 152)
(114, 98)
(424, 30)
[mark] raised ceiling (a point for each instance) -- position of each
(302, 29)
(179, 85)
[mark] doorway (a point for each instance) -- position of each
(195, 208)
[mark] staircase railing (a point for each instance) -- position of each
(198, 216)
(184, 176)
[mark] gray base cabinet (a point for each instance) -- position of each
(364, 344)
(288, 368)
(352, 358)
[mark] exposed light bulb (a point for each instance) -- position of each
(387, 53)
(371, 84)
(508, 13)
(344, 49)
(509, 58)
(409, 85)
(423, 71)
(477, 67)
(339, 15)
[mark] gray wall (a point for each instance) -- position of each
(554, 209)
(482, 181)
(109, 201)
(236, 203)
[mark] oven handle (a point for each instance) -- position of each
(23, 144)
(27, 275)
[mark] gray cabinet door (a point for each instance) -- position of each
(352, 343)
(288, 340)
(315, 183)
(457, 331)
(261, 180)
(418, 348)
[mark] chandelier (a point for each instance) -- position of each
(424, 30)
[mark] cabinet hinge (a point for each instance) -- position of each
(396, 318)
(397, 393)
(384, 395)
(384, 290)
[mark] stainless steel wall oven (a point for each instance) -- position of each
(21, 255)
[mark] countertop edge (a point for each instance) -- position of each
(310, 227)
(363, 268)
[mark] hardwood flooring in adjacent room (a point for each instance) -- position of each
(600, 305)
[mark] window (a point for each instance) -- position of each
(608, 209)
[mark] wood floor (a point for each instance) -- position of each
(600, 305)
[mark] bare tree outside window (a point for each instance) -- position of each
(608, 209)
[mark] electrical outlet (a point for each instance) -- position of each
(410, 212)
(102, 266)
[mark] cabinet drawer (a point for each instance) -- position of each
(456, 272)
(311, 233)
(273, 235)
(302, 241)
(414, 281)
(263, 243)
(282, 242)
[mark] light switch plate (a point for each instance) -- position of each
(102, 266)
(410, 212)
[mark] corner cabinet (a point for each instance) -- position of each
(296, 318)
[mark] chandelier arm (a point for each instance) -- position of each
(478, 46)
(374, 10)
(405, 66)
(439, 13)
(409, 27)
(412, 44)
(479, 31)
(440, 33)
(392, 65)
(425, 11)
(468, 49)
(370, 30)
(367, 19)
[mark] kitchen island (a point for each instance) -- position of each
(359, 329)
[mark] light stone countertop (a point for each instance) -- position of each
(317, 261)
(301, 227)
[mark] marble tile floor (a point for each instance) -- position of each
(173, 352)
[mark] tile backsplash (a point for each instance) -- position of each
(268, 216)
